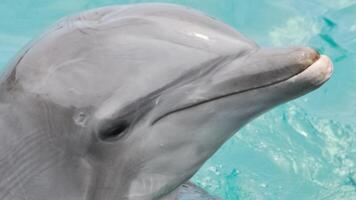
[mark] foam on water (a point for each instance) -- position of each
(305, 149)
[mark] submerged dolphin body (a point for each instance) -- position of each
(127, 102)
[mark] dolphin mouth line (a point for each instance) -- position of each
(187, 106)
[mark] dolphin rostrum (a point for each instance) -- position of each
(127, 102)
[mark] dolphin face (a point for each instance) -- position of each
(198, 117)
(191, 120)
(135, 105)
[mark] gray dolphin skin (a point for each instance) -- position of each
(127, 102)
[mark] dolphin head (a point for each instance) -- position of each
(133, 106)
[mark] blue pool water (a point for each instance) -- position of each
(305, 149)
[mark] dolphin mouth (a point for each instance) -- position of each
(316, 73)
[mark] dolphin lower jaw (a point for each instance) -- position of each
(313, 75)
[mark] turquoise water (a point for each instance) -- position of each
(305, 149)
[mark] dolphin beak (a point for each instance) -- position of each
(315, 74)
(259, 69)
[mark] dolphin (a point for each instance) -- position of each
(127, 102)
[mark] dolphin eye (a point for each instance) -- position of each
(114, 133)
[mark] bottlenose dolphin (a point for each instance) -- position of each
(128, 102)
